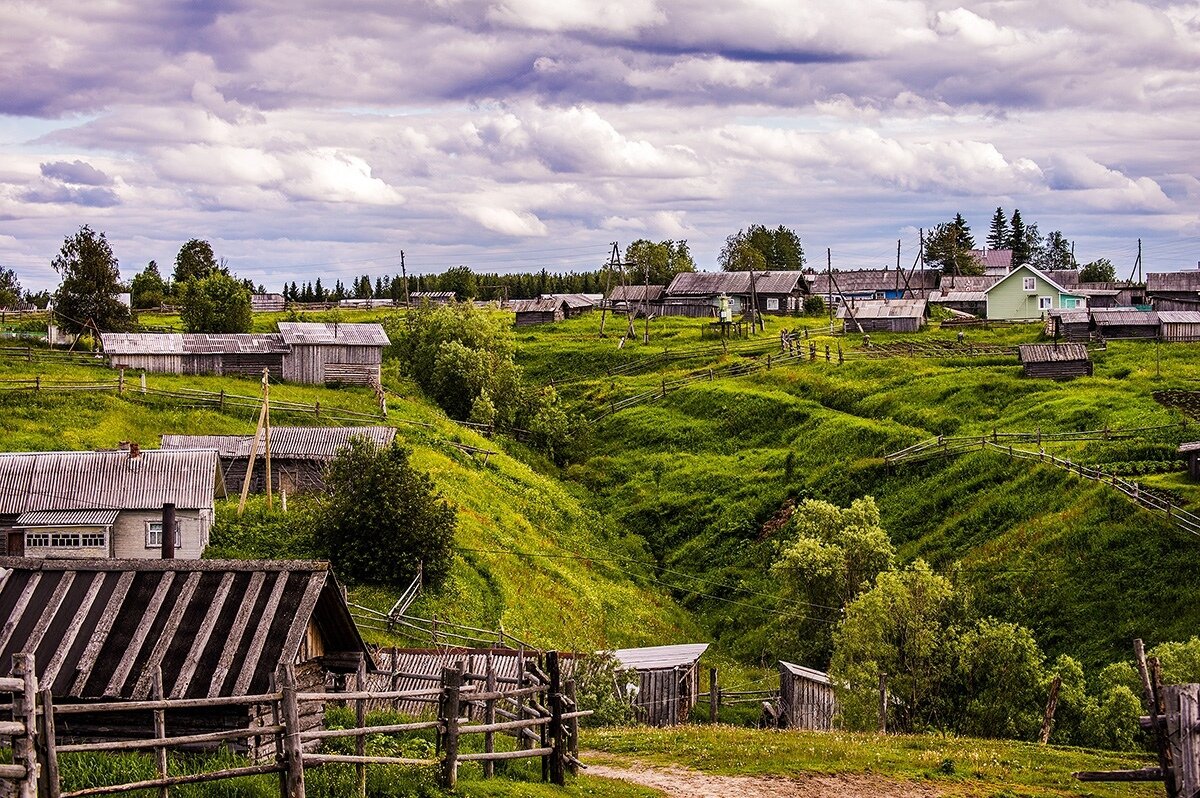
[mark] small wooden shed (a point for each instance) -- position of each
(1179, 326)
(538, 311)
(1118, 323)
(1055, 361)
(99, 629)
(244, 354)
(1191, 451)
(887, 315)
(1068, 325)
(321, 352)
(806, 698)
(668, 681)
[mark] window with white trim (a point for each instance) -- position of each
(1045, 302)
(61, 539)
(154, 535)
(1029, 283)
(772, 303)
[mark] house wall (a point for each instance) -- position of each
(1119, 331)
(898, 324)
(161, 364)
(1010, 300)
(525, 318)
(294, 476)
(129, 534)
(306, 362)
(1180, 332)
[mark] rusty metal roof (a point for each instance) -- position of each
(107, 480)
(653, 658)
(1051, 353)
(308, 333)
(67, 518)
(99, 628)
(302, 443)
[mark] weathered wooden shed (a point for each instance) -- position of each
(267, 303)
(668, 681)
(778, 292)
(1179, 326)
(1174, 290)
(1118, 323)
(85, 505)
(245, 354)
(1068, 325)
(1191, 451)
(1055, 361)
(538, 311)
(299, 455)
(576, 304)
(884, 315)
(99, 629)
(806, 698)
(623, 296)
(333, 352)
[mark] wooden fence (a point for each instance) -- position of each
(541, 714)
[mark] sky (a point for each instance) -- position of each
(313, 138)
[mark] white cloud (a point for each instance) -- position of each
(506, 221)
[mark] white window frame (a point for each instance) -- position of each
(154, 535)
(1045, 303)
(1029, 283)
(772, 303)
(50, 538)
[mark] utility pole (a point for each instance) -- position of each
(897, 264)
(753, 301)
(266, 384)
(262, 420)
(404, 277)
(1139, 260)
(612, 259)
(646, 304)
(829, 286)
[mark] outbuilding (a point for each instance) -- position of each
(1191, 451)
(668, 681)
(331, 352)
(231, 354)
(86, 505)
(99, 630)
(1123, 323)
(858, 284)
(538, 311)
(637, 295)
(267, 303)
(895, 315)
(1179, 326)
(1068, 325)
(1174, 290)
(432, 297)
(1055, 361)
(806, 698)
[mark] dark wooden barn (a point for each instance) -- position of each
(99, 630)
(884, 315)
(1174, 290)
(1055, 361)
(806, 699)
(241, 354)
(1191, 451)
(1124, 323)
(668, 681)
(778, 292)
(320, 352)
(299, 455)
(1068, 325)
(538, 311)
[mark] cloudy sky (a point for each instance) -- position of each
(319, 138)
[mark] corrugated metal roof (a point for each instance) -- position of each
(107, 480)
(1179, 316)
(969, 282)
(1192, 446)
(1103, 316)
(142, 343)
(99, 628)
(1070, 316)
(192, 343)
(1173, 281)
(309, 332)
(574, 301)
(317, 443)
(959, 296)
(1051, 353)
(806, 673)
(860, 280)
(883, 309)
(653, 658)
(68, 518)
(714, 283)
(438, 295)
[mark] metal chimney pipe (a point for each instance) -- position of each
(168, 531)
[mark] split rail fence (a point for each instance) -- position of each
(540, 713)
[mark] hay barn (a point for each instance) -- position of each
(1123, 323)
(806, 699)
(234, 354)
(299, 455)
(99, 629)
(1055, 361)
(321, 352)
(106, 504)
(538, 311)
(668, 681)
(895, 315)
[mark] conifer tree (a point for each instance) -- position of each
(1018, 240)
(998, 237)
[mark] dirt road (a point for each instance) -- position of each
(678, 782)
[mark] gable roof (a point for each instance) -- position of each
(811, 674)
(332, 333)
(192, 343)
(653, 658)
(536, 305)
(299, 443)
(99, 628)
(882, 308)
(714, 283)
(637, 293)
(993, 258)
(969, 282)
(30, 481)
(1143, 318)
(1051, 353)
(574, 301)
(1035, 272)
(857, 280)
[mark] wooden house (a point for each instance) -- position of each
(637, 295)
(964, 293)
(806, 698)
(576, 304)
(895, 315)
(330, 352)
(1191, 451)
(1055, 361)
(267, 303)
(1124, 323)
(240, 354)
(1179, 326)
(668, 681)
(1026, 294)
(1068, 325)
(778, 292)
(99, 629)
(538, 311)
(1174, 290)
(67, 505)
(995, 262)
(299, 455)
(858, 284)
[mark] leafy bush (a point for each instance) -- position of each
(814, 305)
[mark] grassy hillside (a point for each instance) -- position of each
(547, 593)
(699, 471)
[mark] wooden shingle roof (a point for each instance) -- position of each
(99, 628)
(1051, 353)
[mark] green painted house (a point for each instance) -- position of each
(1027, 293)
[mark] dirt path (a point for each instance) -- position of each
(678, 782)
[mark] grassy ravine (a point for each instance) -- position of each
(954, 766)
(697, 473)
(503, 506)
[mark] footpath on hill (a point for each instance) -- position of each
(678, 782)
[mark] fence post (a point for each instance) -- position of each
(489, 715)
(360, 718)
(558, 759)
(883, 703)
(451, 686)
(221, 400)
(522, 738)
(293, 753)
(160, 730)
(121, 381)
(143, 382)
(1051, 706)
(25, 711)
(714, 700)
(572, 730)
(37, 382)
(50, 785)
